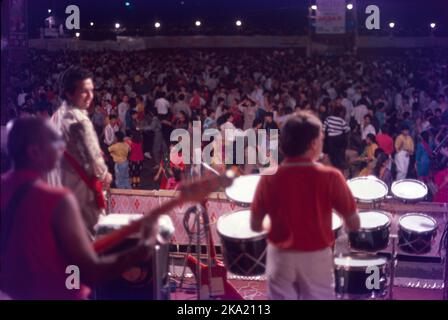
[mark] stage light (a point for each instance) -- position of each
(77, 34)
(49, 10)
(197, 23)
(157, 25)
(350, 6)
(432, 25)
(127, 3)
(117, 26)
(238, 23)
(392, 25)
(313, 7)
(92, 24)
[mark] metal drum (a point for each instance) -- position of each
(409, 190)
(373, 234)
(244, 250)
(243, 189)
(352, 272)
(146, 280)
(416, 231)
(368, 189)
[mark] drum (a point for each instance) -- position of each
(352, 272)
(244, 250)
(147, 280)
(373, 234)
(368, 189)
(409, 190)
(416, 232)
(243, 189)
(336, 225)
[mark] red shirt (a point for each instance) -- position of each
(33, 265)
(385, 142)
(299, 199)
(136, 152)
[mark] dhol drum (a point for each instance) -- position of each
(244, 250)
(146, 280)
(243, 189)
(373, 234)
(336, 225)
(353, 274)
(368, 189)
(416, 231)
(409, 190)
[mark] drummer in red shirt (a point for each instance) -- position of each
(299, 199)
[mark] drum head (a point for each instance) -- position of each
(417, 222)
(336, 222)
(243, 189)
(236, 225)
(359, 261)
(373, 220)
(368, 189)
(408, 189)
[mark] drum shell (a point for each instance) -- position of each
(421, 247)
(352, 280)
(370, 240)
(241, 250)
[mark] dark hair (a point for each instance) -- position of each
(112, 117)
(381, 159)
(120, 136)
(385, 129)
(339, 112)
(371, 137)
(136, 136)
(298, 133)
(69, 79)
(181, 97)
(425, 136)
(369, 117)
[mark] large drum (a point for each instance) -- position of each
(373, 234)
(244, 250)
(368, 189)
(146, 280)
(352, 272)
(243, 189)
(409, 190)
(416, 231)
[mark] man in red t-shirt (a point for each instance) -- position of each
(299, 200)
(385, 141)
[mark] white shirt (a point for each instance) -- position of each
(162, 105)
(367, 130)
(348, 105)
(109, 134)
(122, 109)
(359, 112)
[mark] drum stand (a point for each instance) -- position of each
(393, 264)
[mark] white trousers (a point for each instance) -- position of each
(402, 163)
(300, 275)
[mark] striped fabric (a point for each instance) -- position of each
(335, 126)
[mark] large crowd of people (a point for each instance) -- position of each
(385, 116)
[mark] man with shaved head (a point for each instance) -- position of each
(42, 230)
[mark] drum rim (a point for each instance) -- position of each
(408, 180)
(372, 178)
(340, 220)
(401, 227)
(387, 225)
(263, 234)
(358, 255)
(240, 203)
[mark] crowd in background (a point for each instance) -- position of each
(385, 116)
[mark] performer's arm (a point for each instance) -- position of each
(259, 207)
(343, 202)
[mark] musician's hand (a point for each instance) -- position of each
(198, 191)
(107, 180)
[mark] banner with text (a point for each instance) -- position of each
(330, 16)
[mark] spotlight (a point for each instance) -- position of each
(350, 6)
(157, 25)
(432, 25)
(313, 7)
(238, 23)
(49, 10)
(392, 25)
(92, 24)
(77, 34)
(197, 23)
(127, 3)
(117, 26)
